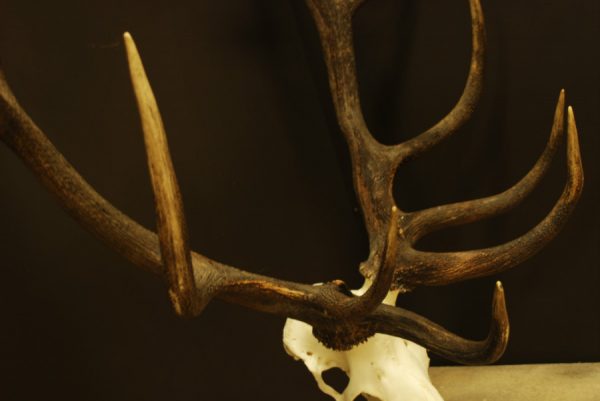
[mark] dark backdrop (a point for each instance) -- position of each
(266, 182)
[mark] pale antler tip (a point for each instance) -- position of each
(500, 314)
(573, 152)
(131, 51)
(572, 125)
(499, 301)
(129, 42)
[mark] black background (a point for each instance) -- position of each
(266, 182)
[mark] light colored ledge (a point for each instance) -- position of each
(550, 382)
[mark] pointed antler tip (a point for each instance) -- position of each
(128, 39)
(573, 151)
(499, 300)
(131, 50)
(571, 124)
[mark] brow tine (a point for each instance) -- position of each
(363, 305)
(172, 232)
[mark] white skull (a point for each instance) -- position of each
(383, 368)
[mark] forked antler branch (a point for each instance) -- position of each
(374, 165)
(340, 320)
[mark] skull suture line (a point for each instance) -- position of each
(382, 368)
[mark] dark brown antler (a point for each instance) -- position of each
(429, 268)
(340, 319)
(374, 165)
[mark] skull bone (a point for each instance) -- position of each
(383, 368)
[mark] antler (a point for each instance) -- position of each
(374, 164)
(340, 320)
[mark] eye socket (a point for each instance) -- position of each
(336, 378)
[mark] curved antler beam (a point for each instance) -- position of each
(453, 348)
(267, 297)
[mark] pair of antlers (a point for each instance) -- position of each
(340, 320)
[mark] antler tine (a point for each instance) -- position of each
(463, 109)
(172, 231)
(436, 218)
(439, 268)
(454, 348)
(360, 306)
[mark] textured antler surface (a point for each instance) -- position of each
(340, 319)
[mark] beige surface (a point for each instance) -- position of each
(552, 382)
